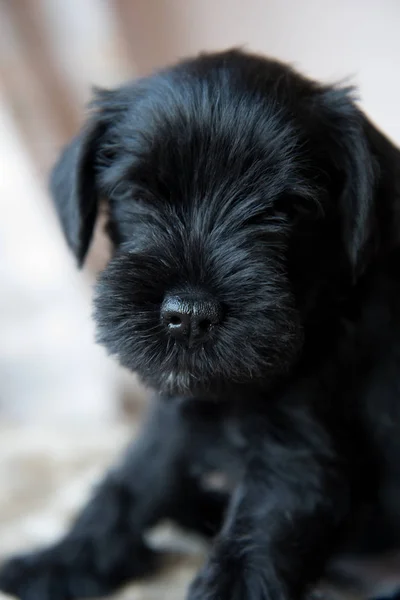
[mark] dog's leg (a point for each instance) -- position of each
(105, 546)
(283, 517)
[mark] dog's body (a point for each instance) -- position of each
(256, 286)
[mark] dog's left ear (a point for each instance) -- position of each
(340, 128)
(364, 170)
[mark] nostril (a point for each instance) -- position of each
(205, 325)
(179, 323)
(174, 320)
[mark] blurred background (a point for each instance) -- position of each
(65, 408)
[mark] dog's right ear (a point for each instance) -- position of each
(74, 190)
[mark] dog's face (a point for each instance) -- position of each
(238, 196)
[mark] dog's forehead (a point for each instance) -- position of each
(203, 124)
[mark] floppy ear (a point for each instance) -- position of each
(74, 181)
(74, 191)
(352, 168)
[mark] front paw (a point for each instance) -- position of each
(216, 586)
(34, 577)
(224, 577)
(70, 570)
(231, 573)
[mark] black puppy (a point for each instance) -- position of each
(255, 285)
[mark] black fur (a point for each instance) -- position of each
(234, 175)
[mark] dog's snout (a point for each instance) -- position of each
(190, 318)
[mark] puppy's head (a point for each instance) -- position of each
(239, 198)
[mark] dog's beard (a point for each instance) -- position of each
(258, 339)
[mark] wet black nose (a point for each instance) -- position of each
(190, 318)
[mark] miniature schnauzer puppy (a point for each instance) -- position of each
(255, 287)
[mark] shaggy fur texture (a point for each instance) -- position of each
(233, 176)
